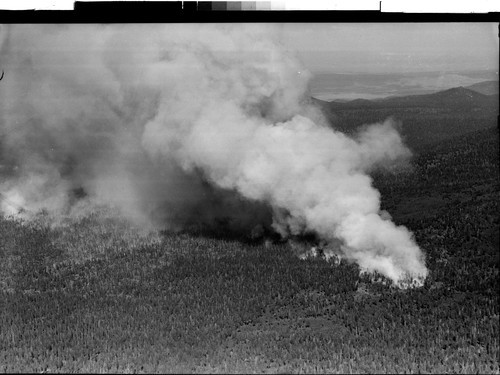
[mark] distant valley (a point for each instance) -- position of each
(346, 87)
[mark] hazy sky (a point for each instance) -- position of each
(362, 47)
(394, 47)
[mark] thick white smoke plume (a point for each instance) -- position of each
(182, 125)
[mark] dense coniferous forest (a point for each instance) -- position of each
(98, 295)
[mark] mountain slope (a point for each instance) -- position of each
(424, 119)
(485, 88)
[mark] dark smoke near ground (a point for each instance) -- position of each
(190, 126)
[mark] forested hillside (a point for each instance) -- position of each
(424, 119)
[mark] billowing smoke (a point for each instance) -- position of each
(190, 125)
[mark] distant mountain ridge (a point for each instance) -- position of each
(485, 88)
(425, 118)
(454, 97)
